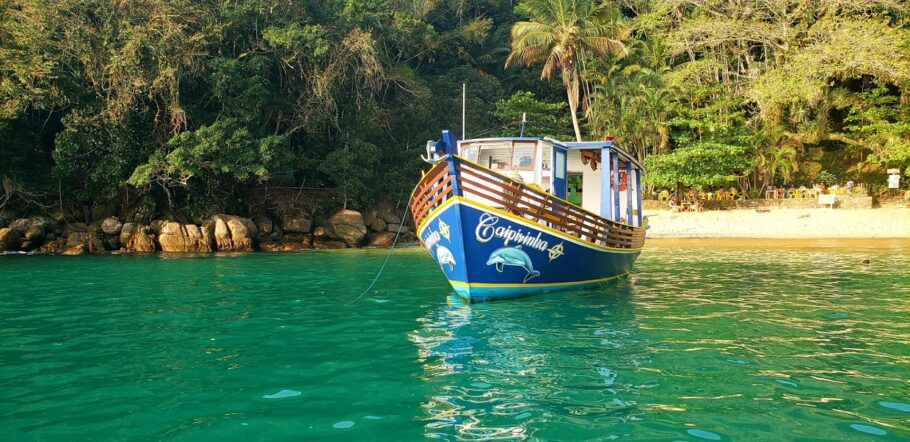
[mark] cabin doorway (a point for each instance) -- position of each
(574, 185)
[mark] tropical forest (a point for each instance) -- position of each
(193, 107)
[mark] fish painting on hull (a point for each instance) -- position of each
(444, 256)
(513, 256)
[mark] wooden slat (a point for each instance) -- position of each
(545, 200)
(536, 212)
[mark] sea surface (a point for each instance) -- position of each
(705, 341)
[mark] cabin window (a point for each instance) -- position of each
(560, 165)
(471, 154)
(523, 156)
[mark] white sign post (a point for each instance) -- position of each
(894, 178)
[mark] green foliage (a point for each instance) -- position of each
(197, 101)
(826, 178)
(561, 34)
(221, 155)
(878, 121)
(353, 169)
(94, 155)
(701, 165)
(543, 119)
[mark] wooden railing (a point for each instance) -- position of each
(485, 186)
(434, 189)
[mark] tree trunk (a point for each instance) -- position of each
(570, 80)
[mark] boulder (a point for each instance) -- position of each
(156, 225)
(346, 226)
(77, 249)
(36, 227)
(53, 247)
(378, 225)
(320, 233)
(234, 234)
(395, 227)
(110, 243)
(389, 217)
(35, 234)
(111, 226)
(89, 240)
(296, 224)
(137, 238)
(288, 243)
(10, 239)
(265, 226)
(176, 237)
(71, 228)
(370, 217)
(382, 240)
(329, 244)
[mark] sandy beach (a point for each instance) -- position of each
(781, 223)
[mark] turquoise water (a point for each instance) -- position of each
(704, 342)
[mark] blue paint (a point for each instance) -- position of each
(868, 429)
(641, 212)
(447, 145)
(484, 266)
(703, 434)
(606, 200)
(615, 186)
(560, 168)
(453, 171)
(629, 193)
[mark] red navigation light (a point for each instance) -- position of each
(609, 137)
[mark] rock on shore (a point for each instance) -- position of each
(234, 234)
(220, 233)
(176, 237)
(346, 226)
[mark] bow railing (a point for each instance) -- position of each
(479, 184)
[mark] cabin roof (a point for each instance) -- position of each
(625, 156)
(575, 145)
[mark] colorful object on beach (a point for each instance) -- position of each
(496, 233)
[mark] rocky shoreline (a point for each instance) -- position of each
(218, 233)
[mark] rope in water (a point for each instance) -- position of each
(389, 254)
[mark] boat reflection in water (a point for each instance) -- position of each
(506, 371)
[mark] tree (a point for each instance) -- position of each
(701, 165)
(560, 33)
(217, 157)
(543, 119)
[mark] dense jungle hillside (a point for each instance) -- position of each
(197, 105)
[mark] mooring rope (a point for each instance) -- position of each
(389, 254)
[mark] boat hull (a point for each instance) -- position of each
(489, 254)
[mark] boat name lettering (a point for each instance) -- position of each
(431, 240)
(487, 230)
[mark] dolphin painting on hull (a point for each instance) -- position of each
(444, 256)
(513, 256)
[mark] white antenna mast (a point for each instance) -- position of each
(464, 98)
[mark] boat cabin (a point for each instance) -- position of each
(598, 176)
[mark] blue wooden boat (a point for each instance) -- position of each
(493, 214)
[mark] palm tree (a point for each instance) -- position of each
(778, 154)
(558, 33)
